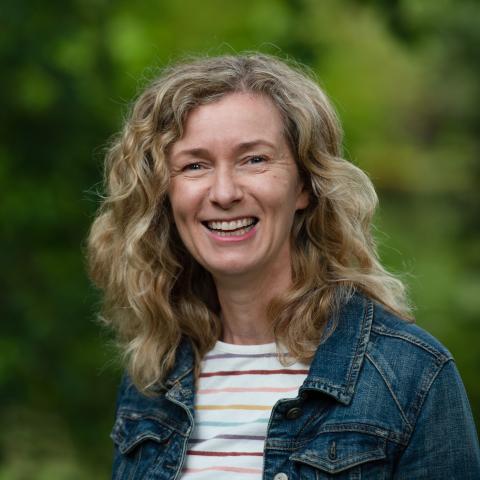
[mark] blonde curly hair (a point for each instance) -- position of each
(155, 292)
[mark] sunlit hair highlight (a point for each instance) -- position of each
(156, 293)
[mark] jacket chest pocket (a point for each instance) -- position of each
(342, 455)
(139, 442)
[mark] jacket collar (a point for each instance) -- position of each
(183, 367)
(337, 363)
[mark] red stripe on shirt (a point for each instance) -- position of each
(225, 454)
(253, 372)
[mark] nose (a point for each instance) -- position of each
(225, 190)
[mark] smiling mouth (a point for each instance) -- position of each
(229, 228)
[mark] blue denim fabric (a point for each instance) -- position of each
(383, 399)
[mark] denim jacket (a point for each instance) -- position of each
(383, 399)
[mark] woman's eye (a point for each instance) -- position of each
(256, 159)
(193, 166)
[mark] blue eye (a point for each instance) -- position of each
(256, 159)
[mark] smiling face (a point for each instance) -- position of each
(234, 187)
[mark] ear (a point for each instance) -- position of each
(303, 198)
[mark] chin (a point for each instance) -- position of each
(230, 269)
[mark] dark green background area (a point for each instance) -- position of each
(404, 76)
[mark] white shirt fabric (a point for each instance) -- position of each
(235, 393)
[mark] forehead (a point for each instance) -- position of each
(235, 118)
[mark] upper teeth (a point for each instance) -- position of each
(231, 225)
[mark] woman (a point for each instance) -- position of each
(262, 337)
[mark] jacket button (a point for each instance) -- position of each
(294, 413)
(280, 476)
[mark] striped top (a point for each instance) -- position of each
(237, 388)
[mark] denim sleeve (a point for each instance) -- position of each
(444, 443)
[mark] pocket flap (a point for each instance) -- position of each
(132, 428)
(333, 452)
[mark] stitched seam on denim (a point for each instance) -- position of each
(411, 339)
(395, 399)
(311, 419)
(297, 442)
(361, 455)
(423, 395)
(147, 436)
(282, 445)
(284, 448)
(399, 438)
(138, 417)
(188, 433)
(326, 470)
(293, 445)
(361, 346)
(311, 463)
(312, 381)
(365, 457)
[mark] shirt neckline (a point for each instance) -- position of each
(246, 349)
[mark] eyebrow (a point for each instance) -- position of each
(241, 147)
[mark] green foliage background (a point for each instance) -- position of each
(404, 76)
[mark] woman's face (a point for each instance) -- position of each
(235, 188)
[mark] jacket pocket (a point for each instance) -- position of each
(342, 455)
(139, 440)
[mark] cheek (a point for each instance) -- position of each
(181, 219)
(182, 199)
(180, 216)
(281, 205)
(280, 194)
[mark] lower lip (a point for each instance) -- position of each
(233, 238)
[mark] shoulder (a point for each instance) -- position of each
(396, 336)
(420, 388)
(404, 361)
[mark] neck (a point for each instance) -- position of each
(244, 303)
